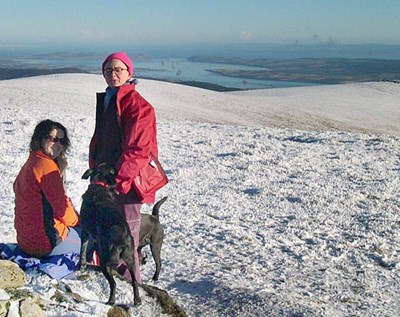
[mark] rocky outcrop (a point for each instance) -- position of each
(11, 276)
(23, 303)
(119, 311)
(29, 306)
(15, 300)
(4, 307)
(166, 302)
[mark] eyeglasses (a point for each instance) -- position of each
(117, 70)
(55, 139)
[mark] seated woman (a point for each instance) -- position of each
(44, 215)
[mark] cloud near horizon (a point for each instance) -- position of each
(88, 35)
(324, 39)
(246, 36)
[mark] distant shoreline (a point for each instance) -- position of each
(314, 71)
(308, 70)
(15, 73)
(198, 84)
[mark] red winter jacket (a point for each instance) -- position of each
(127, 143)
(43, 212)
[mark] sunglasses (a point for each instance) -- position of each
(55, 139)
(117, 70)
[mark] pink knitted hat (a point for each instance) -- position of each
(123, 57)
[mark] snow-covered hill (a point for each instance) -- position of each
(282, 202)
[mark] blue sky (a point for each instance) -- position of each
(65, 23)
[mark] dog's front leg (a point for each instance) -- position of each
(107, 271)
(84, 245)
(136, 297)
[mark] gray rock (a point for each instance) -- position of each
(29, 307)
(22, 303)
(118, 311)
(4, 306)
(11, 275)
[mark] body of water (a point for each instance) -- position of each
(184, 70)
(171, 63)
(168, 69)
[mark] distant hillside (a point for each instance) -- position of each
(309, 70)
(198, 84)
(11, 73)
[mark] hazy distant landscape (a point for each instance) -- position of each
(12, 73)
(302, 70)
(225, 67)
(309, 70)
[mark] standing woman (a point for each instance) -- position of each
(125, 135)
(44, 216)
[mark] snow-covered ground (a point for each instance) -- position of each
(282, 202)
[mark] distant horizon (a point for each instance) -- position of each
(248, 50)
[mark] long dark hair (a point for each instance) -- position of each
(42, 130)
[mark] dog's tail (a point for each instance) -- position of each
(157, 206)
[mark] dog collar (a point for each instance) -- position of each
(99, 183)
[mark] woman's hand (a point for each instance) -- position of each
(62, 163)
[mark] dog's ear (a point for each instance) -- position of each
(88, 173)
(111, 178)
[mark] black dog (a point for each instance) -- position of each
(152, 233)
(107, 227)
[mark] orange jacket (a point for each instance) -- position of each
(43, 212)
